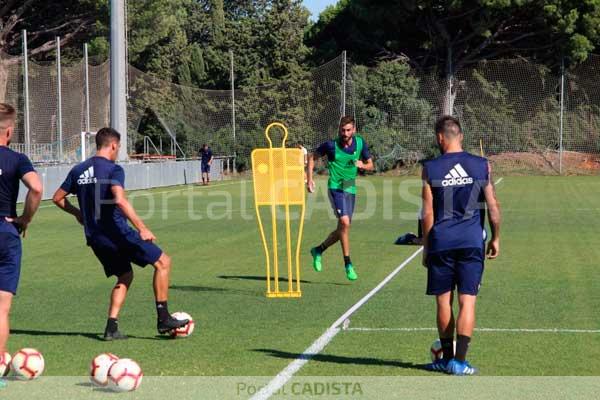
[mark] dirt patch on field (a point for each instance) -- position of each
(547, 163)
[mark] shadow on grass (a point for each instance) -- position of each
(86, 384)
(190, 288)
(328, 358)
(281, 279)
(94, 336)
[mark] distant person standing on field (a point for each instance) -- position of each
(206, 158)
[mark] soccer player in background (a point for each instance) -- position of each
(345, 155)
(14, 168)
(103, 211)
(456, 188)
(206, 158)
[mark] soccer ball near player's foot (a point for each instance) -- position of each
(99, 368)
(125, 375)
(436, 350)
(27, 364)
(186, 330)
(5, 364)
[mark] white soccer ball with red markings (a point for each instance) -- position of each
(186, 330)
(99, 368)
(27, 364)
(4, 363)
(436, 350)
(125, 375)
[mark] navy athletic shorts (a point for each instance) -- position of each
(10, 257)
(342, 202)
(459, 268)
(117, 254)
(205, 168)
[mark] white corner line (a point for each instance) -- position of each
(511, 330)
(318, 345)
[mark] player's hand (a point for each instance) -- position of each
(147, 235)
(21, 224)
(360, 164)
(310, 185)
(493, 249)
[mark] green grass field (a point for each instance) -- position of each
(546, 277)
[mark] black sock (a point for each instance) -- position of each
(321, 248)
(112, 325)
(462, 346)
(447, 348)
(347, 260)
(162, 310)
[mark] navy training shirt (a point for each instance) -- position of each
(92, 181)
(457, 182)
(13, 166)
(205, 155)
(328, 149)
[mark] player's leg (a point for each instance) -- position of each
(162, 271)
(117, 299)
(115, 263)
(5, 304)
(344, 233)
(446, 323)
(440, 283)
(469, 274)
(160, 283)
(331, 239)
(345, 220)
(10, 271)
(465, 324)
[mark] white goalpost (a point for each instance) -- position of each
(87, 144)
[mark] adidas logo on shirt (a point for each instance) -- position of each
(87, 177)
(457, 176)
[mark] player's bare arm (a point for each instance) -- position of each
(494, 218)
(125, 206)
(365, 165)
(310, 183)
(32, 202)
(427, 214)
(61, 201)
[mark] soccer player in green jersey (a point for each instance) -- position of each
(345, 155)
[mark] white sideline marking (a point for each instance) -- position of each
(498, 181)
(515, 330)
(318, 345)
(173, 190)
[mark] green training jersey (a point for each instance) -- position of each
(342, 169)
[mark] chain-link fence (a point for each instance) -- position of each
(525, 117)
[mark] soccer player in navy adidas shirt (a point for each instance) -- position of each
(206, 158)
(456, 187)
(103, 211)
(14, 169)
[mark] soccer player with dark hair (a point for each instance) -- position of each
(14, 168)
(345, 155)
(206, 158)
(456, 188)
(103, 210)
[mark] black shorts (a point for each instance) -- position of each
(10, 258)
(205, 168)
(342, 202)
(460, 268)
(117, 254)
